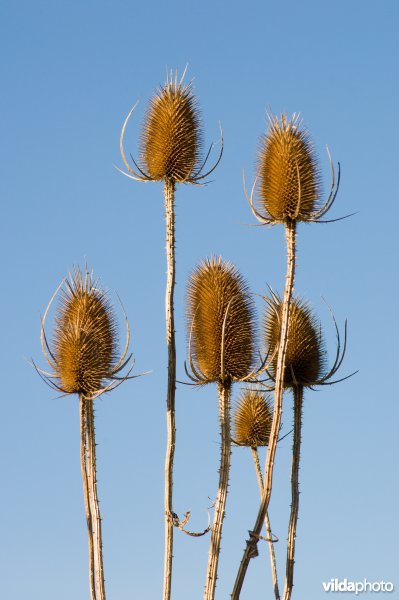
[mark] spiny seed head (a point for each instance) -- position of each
(306, 356)
(288, 170)
(216, 287)
(253, 416)
(171, 140)
(85, 337)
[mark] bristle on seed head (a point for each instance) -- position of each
(220, 321)
(289, 185)
(305, 355)
(171, 140)
(253, 416)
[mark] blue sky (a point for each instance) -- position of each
(70, 73)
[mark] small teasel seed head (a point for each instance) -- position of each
(289, 185)
(215, 289)
(253, 416)
(306, 355)
(85, 337)
(171, 139)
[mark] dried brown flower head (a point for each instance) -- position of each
(306, 356)
(220, 320)
(253, 416)
(288, 170)
(172, 137)
(83, 353)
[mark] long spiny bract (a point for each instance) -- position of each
(305, 356)
(85, 337)
(171, 139)
(253, 417)
(221, 318)
(288, 170)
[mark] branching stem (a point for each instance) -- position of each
(251, 546)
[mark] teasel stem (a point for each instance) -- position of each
(296, 451)
(169, 191)
(95, 509)
(251, 546)
(224, 393)
(86, 492)
(255, 456)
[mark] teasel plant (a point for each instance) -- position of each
(171, 151)
(253, 416)
(83, 361)
(305, 368)
(289, 190)
(221, 350)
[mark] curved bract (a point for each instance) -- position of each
(288, 180)
(171, 139)
(83, 354)
(306, 358)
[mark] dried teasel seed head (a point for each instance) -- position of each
(171, 140)
(289, 175)
(306, 356)
(85, 337)
(217, 289)
(253, 416)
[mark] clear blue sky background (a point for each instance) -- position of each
(70, 73)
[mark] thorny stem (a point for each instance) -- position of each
(169, 190)
(224, 392)
(296, 451)
(86, 492)
(255, 456)
(251, 546)
(95, 509)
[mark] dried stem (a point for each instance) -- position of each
(169, 190)
(296, 451)
(255, 456)
(251, 546)
(95, 509)
(86, 492)
(224, 392)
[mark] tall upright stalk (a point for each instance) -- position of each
(169, 190)
(251, 547)
(273, 565)
(95, 508)
(84, 362)
(296, 451)
(86, 492)
(224, 393)
(171, 152)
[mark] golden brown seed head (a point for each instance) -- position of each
(215, 289)
(305, 358)
(289, 176)
(171, 140)
(85, 337)
(253, 418)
